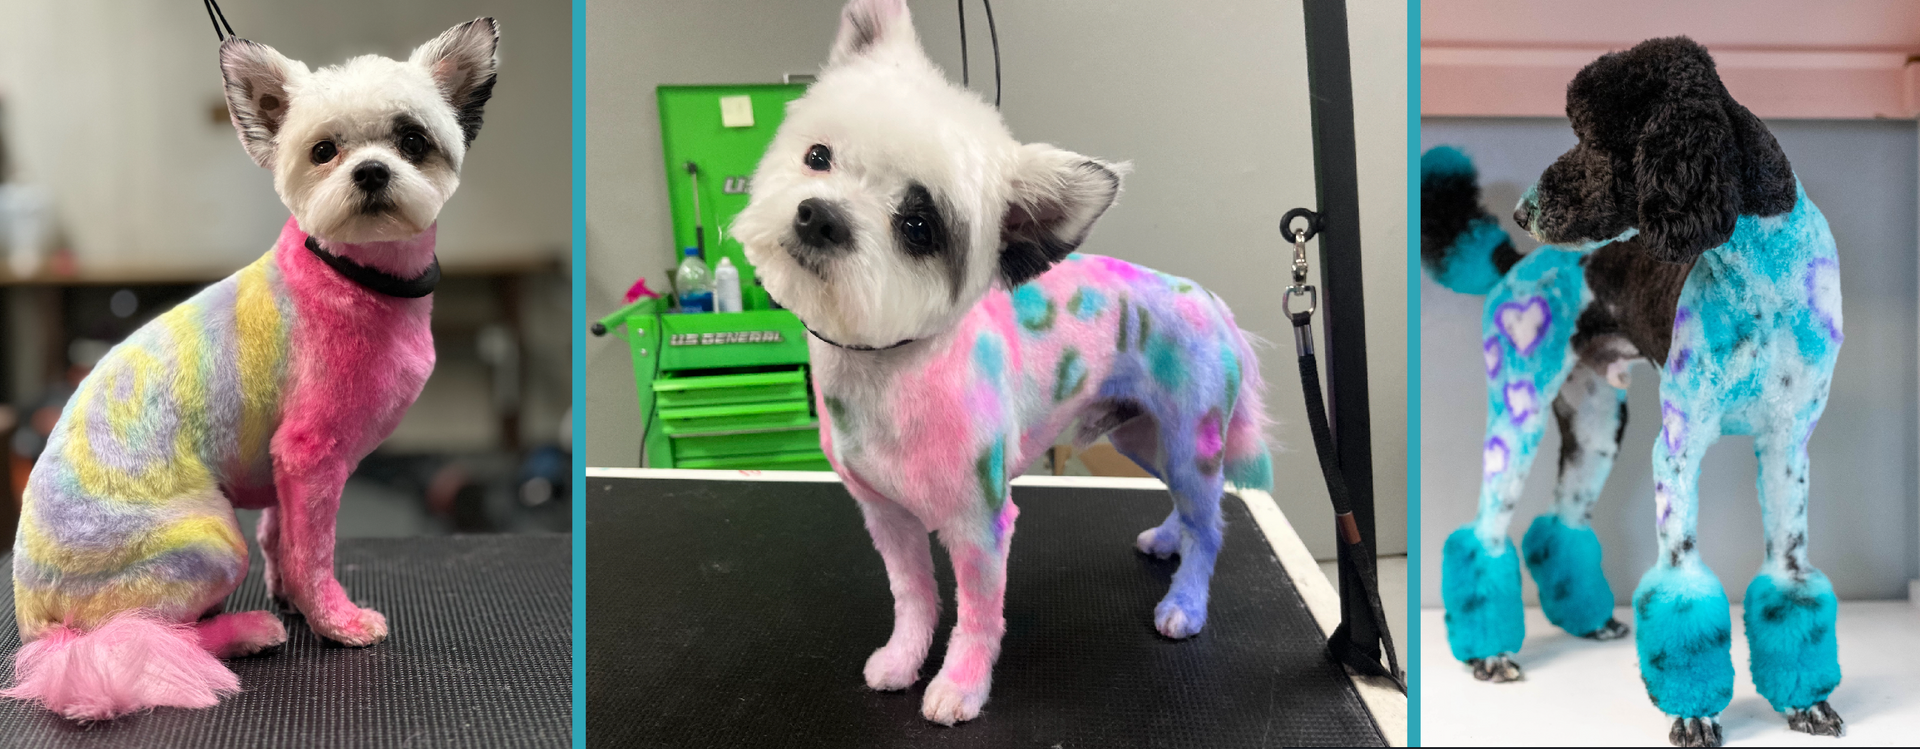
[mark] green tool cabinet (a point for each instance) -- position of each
(721, 390)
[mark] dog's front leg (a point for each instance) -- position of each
(309, 472)
(978, 548)
(902, 541)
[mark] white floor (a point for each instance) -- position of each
(1579, 692)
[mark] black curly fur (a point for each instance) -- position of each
(1664, 148)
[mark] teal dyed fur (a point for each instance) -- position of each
(1794, 656)
(1685, 637)
(1565, 564)
(1482, 593)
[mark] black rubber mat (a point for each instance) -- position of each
(480, 655)
(740, 614)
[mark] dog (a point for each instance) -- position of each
(263, 391)
(1677, 232)
(956, 334)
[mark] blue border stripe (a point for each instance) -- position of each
(579, 373)
(1412, 647)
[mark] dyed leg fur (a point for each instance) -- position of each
(1790, 607)
(1480, 569)
(1194, 530)
(241, 634)
(902, 541)
(1683, 629)
(309, 481)
(977, 543)
(1561, 550)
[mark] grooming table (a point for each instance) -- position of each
(480, 655)
(724, 611)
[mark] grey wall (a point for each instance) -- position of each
(1862, 175)
(1208, 102)
(115, 105)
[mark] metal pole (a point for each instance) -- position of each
(1330, 89)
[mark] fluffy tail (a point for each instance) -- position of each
(1248, 463)
(1461, 245)
(135, 661)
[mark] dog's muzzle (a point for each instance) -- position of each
(820, 225)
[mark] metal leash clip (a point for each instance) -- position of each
(1302, 319)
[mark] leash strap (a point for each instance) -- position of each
(1356, 560)
(219, 19)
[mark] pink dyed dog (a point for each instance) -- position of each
(958, 336)
(263, 391)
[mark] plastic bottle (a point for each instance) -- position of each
(694, 282)
(726, 287)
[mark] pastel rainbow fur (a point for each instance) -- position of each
(928, 437)
(262, 391)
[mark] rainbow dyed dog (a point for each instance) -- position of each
(957, 337)
(1679, 234)
(263, 391)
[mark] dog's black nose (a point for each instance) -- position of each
(371, 176)
(1520, 217)
(819, 223)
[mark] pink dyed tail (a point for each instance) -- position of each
(1249, 464)
(135, 661)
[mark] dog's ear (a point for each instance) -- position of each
(256, 81)
(869, 27)
(1686, 163)
(1767, 186)
(1055, 198)
(462, 62)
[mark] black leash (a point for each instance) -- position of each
(379, 281)
(857, 346)
(994, 33)
(219, 19)
(1356, 559)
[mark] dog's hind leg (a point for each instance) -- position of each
(978, 545)
(1561, 550)
(1195, 528)
(1480, 569)
(1682, 627)
(902, 541)
(1790, 608)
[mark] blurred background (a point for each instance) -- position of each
(123, 190)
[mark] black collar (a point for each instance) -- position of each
(379, 281)
(857, 347)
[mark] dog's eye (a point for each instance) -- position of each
(917, 231)
(324, 151)
(819, 158)
(413, 145)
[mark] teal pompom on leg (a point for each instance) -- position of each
(1794, 656)
(1565, 564)
(1485, 620)
(1685, 636)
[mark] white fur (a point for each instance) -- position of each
(892, 119)
(354, 105)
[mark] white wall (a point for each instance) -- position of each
(1208, 101)
(111, 104)
(1861, 174)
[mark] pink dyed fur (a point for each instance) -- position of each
(134, 661)
(358, 361)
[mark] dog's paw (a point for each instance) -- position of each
(356, 627)
(1177, 623)
(1152, 541)
(1695, 732)
(947, 702)
(1612, 630)
(1819, 720)
(1499, 669)
(255, 632)
(892, 669)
